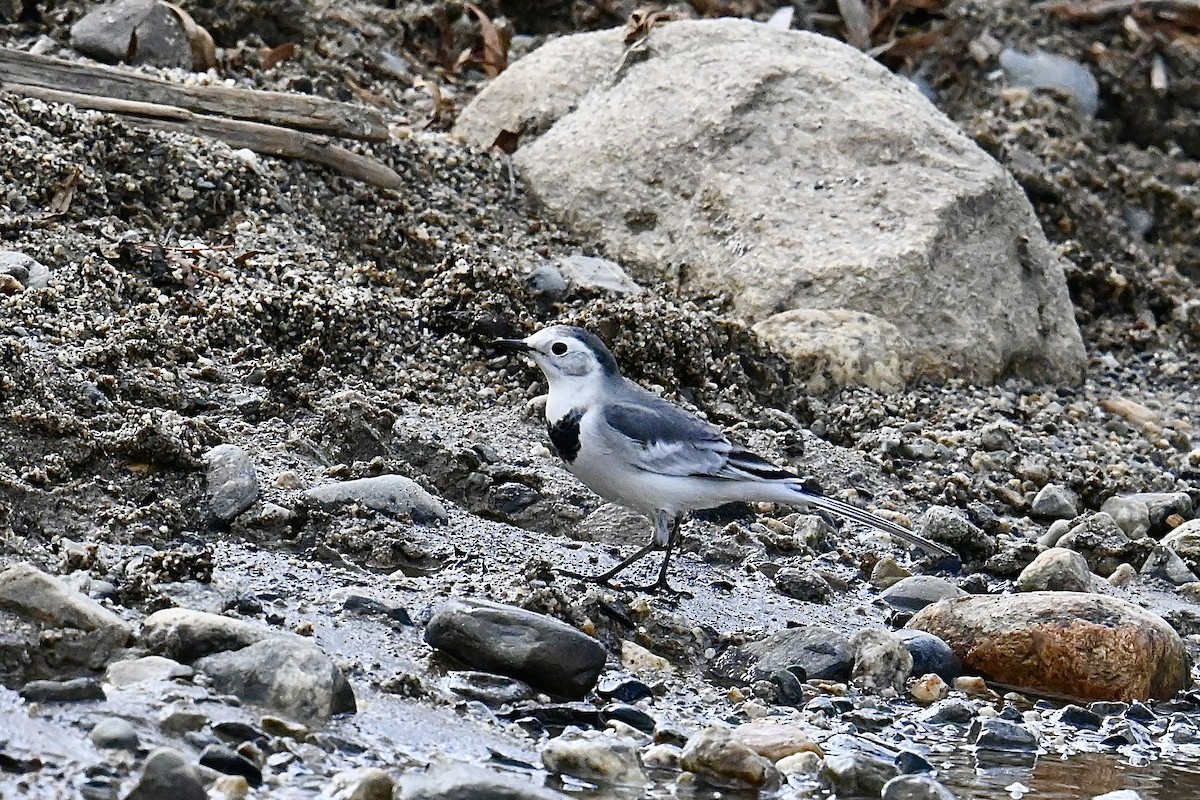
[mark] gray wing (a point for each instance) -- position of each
(664, 439)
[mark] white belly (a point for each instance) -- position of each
(607, 472)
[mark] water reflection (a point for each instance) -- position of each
(1079, 777)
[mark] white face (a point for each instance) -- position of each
(561, 355)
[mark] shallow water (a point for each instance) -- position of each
(1079, 776)
(1083, 775)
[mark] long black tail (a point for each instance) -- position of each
(867, 518)
(767, 481)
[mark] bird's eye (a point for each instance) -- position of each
(559, 348)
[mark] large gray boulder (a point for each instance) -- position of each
(789, 171)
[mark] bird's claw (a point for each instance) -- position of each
(662, 585)
(605, 579)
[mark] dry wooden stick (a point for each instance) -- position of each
(100, 102)
(257, 136)
(303, 112)
(1096, 10)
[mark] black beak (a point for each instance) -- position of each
(510, 346)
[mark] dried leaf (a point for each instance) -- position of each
(132, 48)
(62, 198)
(782, 18)
(366, 95)
(353, 20)
(642, 21)
(244, 257)
(507, 141)
(880, 49)
(859, 22)
(442, 107)
(494, 57)
(906, 50)
(204, 49)
(464, 58)
(274, 56)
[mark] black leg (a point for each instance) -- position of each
(605, 577)
(661, 522)
(662, 584)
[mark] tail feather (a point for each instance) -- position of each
(867, 518)
(759, 479)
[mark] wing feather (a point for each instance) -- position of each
(659, 437)
(668, 440)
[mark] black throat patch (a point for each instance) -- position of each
(564, 435)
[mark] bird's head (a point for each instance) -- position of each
(567, 355)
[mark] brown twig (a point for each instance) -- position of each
(1098, 10)
(256, 136)
(303, 112)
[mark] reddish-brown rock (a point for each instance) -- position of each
(773, 739)
(1087, 646)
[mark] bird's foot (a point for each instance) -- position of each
(605, 579)
(663, 585)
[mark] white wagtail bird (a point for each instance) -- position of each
(640, 451)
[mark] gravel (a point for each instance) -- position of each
(191, 296)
